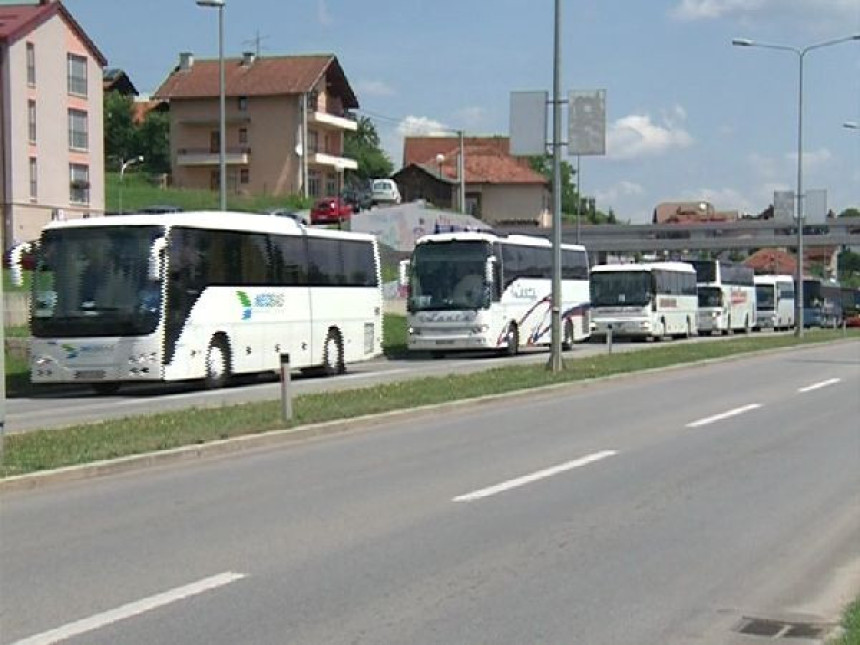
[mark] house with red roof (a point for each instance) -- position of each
(51, 124)
(286, 117)
(499, 188)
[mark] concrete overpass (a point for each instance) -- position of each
(709, 236)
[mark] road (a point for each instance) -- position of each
(663, 508)
(63, 406)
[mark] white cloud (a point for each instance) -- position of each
(421, 126)
(472, 118)
(815, 10)
(637, 135)
(618, 192)
(374, 88)
(323, 14)
(812, 159)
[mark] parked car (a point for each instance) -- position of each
(384, 191)
(302, 217)
(358, 197)
(330, 210)
(160, 209)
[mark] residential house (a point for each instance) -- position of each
(691, 213)
(116, 80)
(51, 125)
(286, 117)
(499, 188)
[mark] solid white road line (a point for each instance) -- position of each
(724, 415)
(131, 609)
(541, 474)
(816, 386)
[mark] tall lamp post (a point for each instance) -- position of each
(801, 54)
(123, 166)
(222, 130)
(851, 125)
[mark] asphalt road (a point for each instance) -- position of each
(662, 508)
(64, 406)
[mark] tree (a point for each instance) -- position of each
(363, 146)
(119, 129)
(850, 212)
(569, 196)
(153, 142)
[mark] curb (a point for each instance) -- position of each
(277, 438)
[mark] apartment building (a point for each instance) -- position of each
(285, 119)
(51, 124)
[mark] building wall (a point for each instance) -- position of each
(53, 41)
(520, 203)
(272, 124)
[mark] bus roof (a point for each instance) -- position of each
(644, 267)
(772, 279)
(215, 220)
(482, 236)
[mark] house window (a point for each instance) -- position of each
(243, 103)
(330, 184)
(78, 130)
(243, 136)
(77, 75)
(314, 183)
(313, 142)
(79, 183)
(31, 64)
(244, 176)
(215, 179)
(34, 186)
(31, 121)
(215, 141)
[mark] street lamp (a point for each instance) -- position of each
(440, 159)
(801, 53)
(123, 166)
(851, 125)
(222, 129)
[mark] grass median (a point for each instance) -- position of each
(49, 449)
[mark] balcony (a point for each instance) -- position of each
(205, 157)
(332, 121)
(330, 160)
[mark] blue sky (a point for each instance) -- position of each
(689, 116)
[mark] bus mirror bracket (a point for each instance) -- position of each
(155, 269)
(403, 273)
(490, 270)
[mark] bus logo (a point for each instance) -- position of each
(259, 301)
(246, 304)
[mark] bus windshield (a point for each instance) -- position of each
(710, 297)
(94, 281)
(765, 296)
(449, 275)
(620, 289)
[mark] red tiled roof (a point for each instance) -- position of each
(421, 150)
(18, 20)
(265, 76)
(772, 261)
(483, 166)
(139, 109)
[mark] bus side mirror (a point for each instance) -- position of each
(16, 264)
(403, 273)
(490, 271)
(155, 268)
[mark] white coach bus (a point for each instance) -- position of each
(473, 290)
(727, 300)
(199, 295)
(775, 302)
(650, 300)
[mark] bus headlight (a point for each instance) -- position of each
(412, 331)
(44, 365)
(143, 359)
(479, 329)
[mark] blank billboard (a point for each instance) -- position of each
(528, 123)
(587, 122)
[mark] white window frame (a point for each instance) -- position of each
(79, 137)
(77, 82)
(31, 121)
(79, 173)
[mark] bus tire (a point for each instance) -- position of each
(567, 338)
(512, 340)
(106, 388)
(333, 354)
(747, 326)
(217, 364)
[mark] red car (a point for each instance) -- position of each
(330, 210)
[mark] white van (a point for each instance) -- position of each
(384, 191)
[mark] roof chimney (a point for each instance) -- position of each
(248, 58)
(186, 61)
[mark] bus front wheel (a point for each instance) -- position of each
(512, 341)
(567, 342)
(217, 364)
(333, 354)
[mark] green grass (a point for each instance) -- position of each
(48, 449)
(851, 625)
(138, 191)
